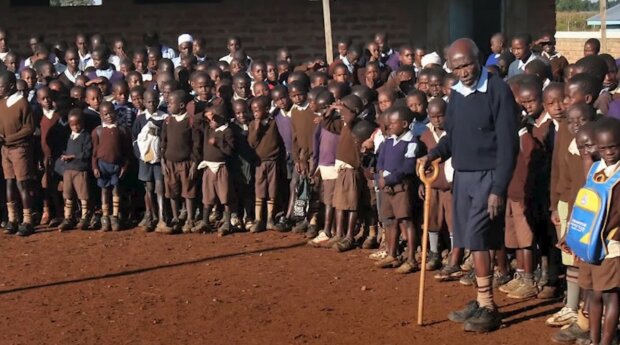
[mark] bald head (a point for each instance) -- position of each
(463, 57)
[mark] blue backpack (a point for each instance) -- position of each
(584, 235)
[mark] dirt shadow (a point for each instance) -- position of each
(150, 269)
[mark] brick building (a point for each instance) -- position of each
(265, 25)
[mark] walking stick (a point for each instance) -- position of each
(428, 181)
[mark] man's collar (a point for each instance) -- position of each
(481, 85)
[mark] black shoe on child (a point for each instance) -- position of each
(484, 320)
(25, 229)
(464, 314)
(283, 225)
(11, 228)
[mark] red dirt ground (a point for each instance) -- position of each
(137, 288)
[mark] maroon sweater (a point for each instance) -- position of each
(223, 147)
(559, 191)
(523, 183)
(441, 183)
(179, 141)
(348, 149)
(111, 145)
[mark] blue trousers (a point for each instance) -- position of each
(473, 229)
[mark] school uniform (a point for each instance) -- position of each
(396, 165)
(111, 153)
(54, 133)
(126, 114)
(284, 123)
(302, 123)
(242, 166)
(16, 127)
(148, 171)
(350, 182)
(68, 79)
(216, 184)
(482, 140)
(75, 172)
(266, 142)
(324, 157)
(605, 276)
(518, 66)
(180, 145)
(441, 189)
(558, 64)
(520, 202)
(112, 75)
(352, 77)
(91, 119)
(197, 107)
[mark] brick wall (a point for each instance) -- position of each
(297, 24)
(570, 44)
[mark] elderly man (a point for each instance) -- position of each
(482, 140)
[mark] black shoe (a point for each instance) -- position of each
(484, 320)
(105, 224)
(464, 314)
(25, 229)
(10, 228)
(313, 231)
(301, 227)
(284, 225)
(115, 223)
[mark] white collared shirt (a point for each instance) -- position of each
(179, 118)
(522, 64)
(111, 125)
(76, 135)
(543, 120)
(349, 66)
(481, 85)
(158, 115)
(221, 128)
(72, 77)
(105, 72)
(300, 107)
(12, 99)
(48, 113)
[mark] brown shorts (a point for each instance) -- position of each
(441, 210)
(215, 186)
(51, 180)
(265, 184)
(604, 276)
(347, 189)
(396, 202)
(178, 183)
(327, 192)
(519, 233)
(75, 181)
(17, 163)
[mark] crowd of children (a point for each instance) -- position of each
(95, 136)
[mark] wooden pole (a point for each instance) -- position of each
(327, 22)
(603, 15)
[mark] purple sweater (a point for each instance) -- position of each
(397, 158)
(325, 143)
(614, 109)
(393, 61)
(285, 128)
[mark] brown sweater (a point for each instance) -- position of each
(303, 126)
(558, 189)
(265, 140)
(111, 145)
(522, 186)
(613, 219)
(223, 147)
(573, 176)
(16, 121)
(441, 183)
(179, 141)
(45, 124)
(349, 149)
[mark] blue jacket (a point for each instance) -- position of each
(397, 158)
(482, 130)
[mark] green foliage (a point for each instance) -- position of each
(581, 5)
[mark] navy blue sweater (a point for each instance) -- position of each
(397, 156)
(482, 133)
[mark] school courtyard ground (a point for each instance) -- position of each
(270, 288)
